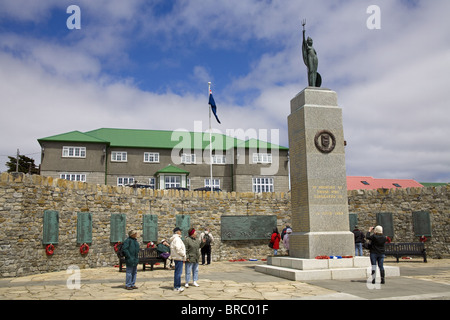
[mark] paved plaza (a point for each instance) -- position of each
(231, 281)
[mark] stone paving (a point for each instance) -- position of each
(218, 281)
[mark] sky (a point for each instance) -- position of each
(146, 64)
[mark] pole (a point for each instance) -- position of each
(17, 161)
(210, 142)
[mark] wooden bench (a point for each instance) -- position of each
(399, 250)
(147, 255)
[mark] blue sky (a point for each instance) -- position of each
(146, 65)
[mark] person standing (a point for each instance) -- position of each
(378, 241)
(206, 249)
(130, 249)
(286, 239)
(275, 240)
(178, 253)
(359, 240)
(192, 256)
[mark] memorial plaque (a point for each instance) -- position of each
(150, 227)
(51, 227)
(384, 219)
(84, 227)
(247, 227)
(353, 219)
(184, 223)
(421, 223)
(117, 227)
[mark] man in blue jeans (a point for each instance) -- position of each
(178, 253)
(130, 248)
(359, 240)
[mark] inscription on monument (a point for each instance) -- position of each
(328, 192)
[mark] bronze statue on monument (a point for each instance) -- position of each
(310, 59)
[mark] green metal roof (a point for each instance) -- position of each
(255, 143)
(74, 136)
(172, 169)
(159, 139)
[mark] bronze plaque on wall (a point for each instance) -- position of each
(247, 227)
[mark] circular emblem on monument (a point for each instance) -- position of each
(325, 141)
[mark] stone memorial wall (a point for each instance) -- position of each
(24, 199)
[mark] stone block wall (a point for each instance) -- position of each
(24, 198)
(402, 203)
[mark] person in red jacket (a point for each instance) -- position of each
(275, 239)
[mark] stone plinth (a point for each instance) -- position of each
(297, 269)
(320, 220)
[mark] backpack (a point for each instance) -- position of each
(207, 238)
(119, 250)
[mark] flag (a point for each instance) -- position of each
(213, 105)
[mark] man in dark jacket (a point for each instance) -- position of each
(359, 240)
(130, 248)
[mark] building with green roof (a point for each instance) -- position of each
(166, 159)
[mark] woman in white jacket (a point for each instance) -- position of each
(178, 254)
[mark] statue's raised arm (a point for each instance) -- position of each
(310, 59)
(304, 51)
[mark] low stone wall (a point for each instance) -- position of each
(24, 198)
(402, 203)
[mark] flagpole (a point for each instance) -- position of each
(210, 142)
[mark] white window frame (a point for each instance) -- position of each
(216, 183)
(122, 181)
(219, 159)
(119, 156)
(172, 182)
(189, 158)
(74, 152)
(72, 176)
(262, 157)
(151, 157)
(152, 183)
(262, 184)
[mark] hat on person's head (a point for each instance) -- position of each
(176, 229)
(289, 230)
(191, 231)
(132, 232)
(379, 229)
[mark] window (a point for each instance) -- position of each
(365, 183)
(74, 152)
(152, 183)
(216, 183)
(397, 185)
(219, 159)
(262, 184)
(151, 157)
(172, 182)
(262, 158)
(188, 158)
(123, 181)
(73, 176)
(119, 156)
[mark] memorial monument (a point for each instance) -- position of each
(319, 205)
